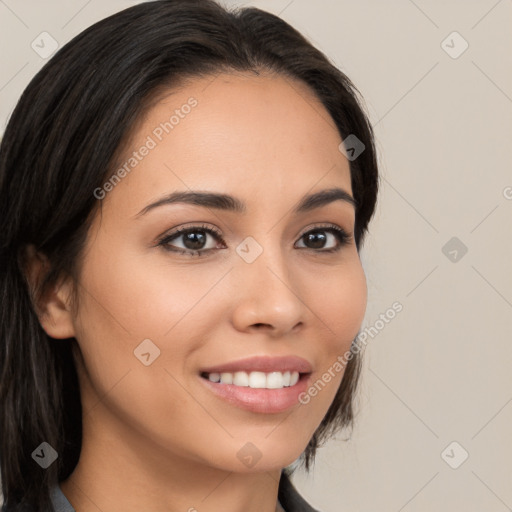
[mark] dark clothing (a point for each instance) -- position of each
(289, 497)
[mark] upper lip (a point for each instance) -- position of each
(263, 364)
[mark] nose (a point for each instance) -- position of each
(267, 295)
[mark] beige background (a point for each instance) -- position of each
(439, 372)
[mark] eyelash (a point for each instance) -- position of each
(342, 236)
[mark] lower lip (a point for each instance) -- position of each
(260, 400)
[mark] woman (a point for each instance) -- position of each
(184, 192)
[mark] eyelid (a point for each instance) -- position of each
(325, 225)
(185, 229)
(343, 236)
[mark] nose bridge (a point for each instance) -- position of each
(263, 259)
(266, 285)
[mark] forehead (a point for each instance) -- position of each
(254, 136)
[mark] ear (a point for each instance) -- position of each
(53, 308)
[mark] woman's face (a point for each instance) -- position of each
(151, 319)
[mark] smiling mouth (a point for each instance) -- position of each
(256, 380)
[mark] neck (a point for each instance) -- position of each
(121, 470)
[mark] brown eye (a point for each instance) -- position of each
(317, 238)
(193, 240)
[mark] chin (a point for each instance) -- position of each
(259, 455)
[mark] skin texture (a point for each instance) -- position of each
(155, 438)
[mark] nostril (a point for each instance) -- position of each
(261, 325)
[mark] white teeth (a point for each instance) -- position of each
(257, 380)
(241, 379)
(214, 377)
(275, 380)
(226, 378)
(272, 380)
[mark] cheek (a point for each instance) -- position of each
(115, 317)
(341, 307)
(125, 301)
(140, 297)
(341, 304)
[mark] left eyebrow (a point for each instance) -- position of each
(226, 202)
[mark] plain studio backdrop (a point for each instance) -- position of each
(435, 403)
